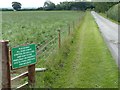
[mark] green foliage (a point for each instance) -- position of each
(68, 6)
(114, 12)
(112, 20)
(48, 5)
(55, 64)
(103, 6)
(16, 5)
(74, 6)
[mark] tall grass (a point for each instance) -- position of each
(114, 12)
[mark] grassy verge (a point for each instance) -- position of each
(105, 16)
(83, 61)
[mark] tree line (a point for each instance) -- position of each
(67, 6)
(103, 6)
(48, 6)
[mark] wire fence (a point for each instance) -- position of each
(47, 48)
(49, 45)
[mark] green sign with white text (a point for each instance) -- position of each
(23, 56)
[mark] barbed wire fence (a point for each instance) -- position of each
(49, 45)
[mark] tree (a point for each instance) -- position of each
(48, 5)
(103, 6)
(40, 8)
(16, 6)
(58, 7)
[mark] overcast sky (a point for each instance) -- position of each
(27, 3)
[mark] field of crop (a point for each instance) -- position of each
(23, 28)
(36, 27)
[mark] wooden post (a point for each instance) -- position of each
(79, 20)
(59, 39)
(6, 79)
(10, 55)
(73, 25)
(31, 76)
(68, 29)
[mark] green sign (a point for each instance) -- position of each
(23, 56)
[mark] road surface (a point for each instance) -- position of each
(109, 31)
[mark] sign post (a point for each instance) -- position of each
(6, 79)
(31, 76)
(23, 56)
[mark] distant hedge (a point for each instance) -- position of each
(114, 12)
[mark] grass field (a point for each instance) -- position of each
(39, 27)
(84, 61)
(35, 26)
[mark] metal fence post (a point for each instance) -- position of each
(59, 39)
(6, 79)
(31, 76)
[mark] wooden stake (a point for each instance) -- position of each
(6, 79)
(73, 25)
(31, 76)
(68, 29)
(59, 39)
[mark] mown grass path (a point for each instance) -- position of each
(88, 64)
(109, 31)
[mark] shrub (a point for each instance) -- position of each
(114, 12)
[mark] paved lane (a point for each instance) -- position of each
(109, 31)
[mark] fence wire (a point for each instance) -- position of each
(48, 46)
